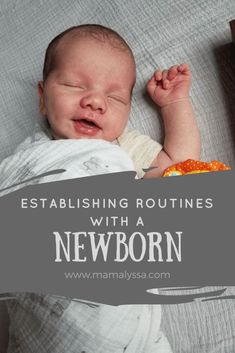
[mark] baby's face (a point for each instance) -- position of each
(88, 94)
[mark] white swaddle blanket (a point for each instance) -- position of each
(39, 154)
(48, 324)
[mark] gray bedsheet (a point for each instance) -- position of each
(201, 326)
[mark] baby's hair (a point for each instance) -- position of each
(95, 31)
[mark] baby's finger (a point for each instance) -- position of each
(152, 79)
(183, 68)
(164, 74)
(151, 85)
(158, 75)
(172, 72)
(165, 81)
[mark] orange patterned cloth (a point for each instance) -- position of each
(194, 167)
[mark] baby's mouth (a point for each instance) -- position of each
(86, 126)
(86, 122)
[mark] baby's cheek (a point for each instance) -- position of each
(62, 108)
(119, 130)
(124, 122)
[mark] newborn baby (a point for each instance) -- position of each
(88, 78)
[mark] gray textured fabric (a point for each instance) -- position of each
(46, 323)
(201, 326)
(161, 34)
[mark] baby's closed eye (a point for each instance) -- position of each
(118, 99)
(73, 85)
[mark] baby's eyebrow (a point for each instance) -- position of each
(69, 76)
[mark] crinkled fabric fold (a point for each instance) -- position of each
(46, 323)
(51, 324)
(80, 158)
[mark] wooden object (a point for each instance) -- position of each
(232, 26)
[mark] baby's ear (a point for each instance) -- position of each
(41, 98)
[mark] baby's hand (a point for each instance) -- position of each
(169, 86)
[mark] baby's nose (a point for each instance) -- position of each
(94, 101)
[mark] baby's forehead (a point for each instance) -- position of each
(76, 46)
(75, 40)
(78, 37)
